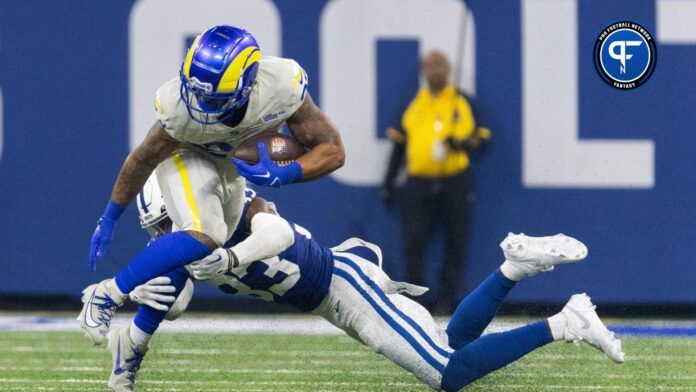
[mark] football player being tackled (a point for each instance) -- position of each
(225, 94)
(278, 260)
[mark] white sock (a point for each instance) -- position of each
(557, 324)
(510, 271)
(115, 292)
(140, 339)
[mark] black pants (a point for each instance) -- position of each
(427, 205)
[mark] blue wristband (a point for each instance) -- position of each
(113, 211)
(294, 171)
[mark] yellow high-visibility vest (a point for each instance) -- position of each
(428, 121)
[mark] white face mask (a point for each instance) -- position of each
(160, 228)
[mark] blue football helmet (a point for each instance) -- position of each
(218, 73)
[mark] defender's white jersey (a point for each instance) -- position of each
(280, 88)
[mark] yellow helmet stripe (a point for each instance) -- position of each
(189, 57)
(244, 60)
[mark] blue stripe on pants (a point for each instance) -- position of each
(392, 323)
(393, 307)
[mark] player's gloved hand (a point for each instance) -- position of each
(103, 233)
(217, 263)
(152, 293)
(266, 172)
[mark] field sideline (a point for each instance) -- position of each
(185, 361)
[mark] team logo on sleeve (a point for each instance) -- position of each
(625, 55)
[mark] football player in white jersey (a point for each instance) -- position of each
(226, 93)
(277, 260)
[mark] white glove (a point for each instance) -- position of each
(217, 263)
(150, 293)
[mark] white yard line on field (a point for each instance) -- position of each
(237, 370)
(215, 382)
(146, 383)
(611, 376)
(268, 324)
(320, 354)
(526, 387)
(265, 324)
(247, 370)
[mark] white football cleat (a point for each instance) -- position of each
(527, 256)
(100, 302)
(126, 360)
(583, 323)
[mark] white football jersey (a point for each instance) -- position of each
(280, 89)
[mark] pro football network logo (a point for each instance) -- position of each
(625, 55)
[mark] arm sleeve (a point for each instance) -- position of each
(399, 149)
(395, 160)
(270, 235)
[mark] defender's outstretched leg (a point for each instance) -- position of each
(524, 256)
(577, 322)
(477, 310)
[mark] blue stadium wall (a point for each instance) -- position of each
(569, 153)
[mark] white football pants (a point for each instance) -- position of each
(366, 304)
(202, 193)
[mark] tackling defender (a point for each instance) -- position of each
(226, 93)
(278, 260)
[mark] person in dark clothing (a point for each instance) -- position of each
(438, 134)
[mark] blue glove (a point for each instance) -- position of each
(266, 172)
(103, 233)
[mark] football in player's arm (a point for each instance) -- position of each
(313, 128)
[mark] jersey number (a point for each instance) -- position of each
(274, 276)
(269, 278)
